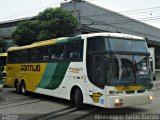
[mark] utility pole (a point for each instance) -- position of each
(74, 12)
(74, 3)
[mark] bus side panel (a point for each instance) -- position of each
(32, 76)
(65, 76)
(30, 73)
(53, 75)
(10, 76)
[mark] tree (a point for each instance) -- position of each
(25, 33)
(51, 23)
(2, 45)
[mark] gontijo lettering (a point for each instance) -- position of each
(30, 67)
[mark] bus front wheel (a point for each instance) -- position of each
(78, 98)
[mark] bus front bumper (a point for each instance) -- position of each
(1, 87)
(119, 101)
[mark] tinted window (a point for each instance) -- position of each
(23, 56)
(68, 51)
(57, 52)
(10, 57)
(97, 44)
(45, 51)
(74, 50)
(35, 54)
(138, 46)
(79, 49)
(13, 56)
(119, 45)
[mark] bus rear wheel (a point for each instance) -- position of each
(23, 88)
(78, 98)
(17, 86)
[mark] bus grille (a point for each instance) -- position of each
(140, 91)
(130, 92)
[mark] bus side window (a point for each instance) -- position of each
(74, 50)
(34, 54)
(45, 53)
(60, 52)
(23, 56)
(57, 52)
(70, 50)
(79, 49)
(15, 56)
(10, 57)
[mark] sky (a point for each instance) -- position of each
(147, 11)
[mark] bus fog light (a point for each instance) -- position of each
(150, 97)
(117, 101)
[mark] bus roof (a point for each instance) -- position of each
(117, 35)
(46, 42)
(3, 54)
(67, 39)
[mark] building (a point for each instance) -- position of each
(92, 18)
(6, 29)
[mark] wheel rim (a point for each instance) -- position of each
(23, 90)
(17, 86)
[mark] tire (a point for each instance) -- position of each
(78, 99)
(154, 78)
(23, 88)
(17, 86)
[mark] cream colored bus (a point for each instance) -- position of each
(109, 70)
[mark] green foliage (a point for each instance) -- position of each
(51, 23)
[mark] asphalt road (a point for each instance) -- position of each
(40, 107)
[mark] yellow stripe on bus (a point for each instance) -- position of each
(128, 87)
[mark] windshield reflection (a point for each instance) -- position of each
(142, 68)
(129, 69)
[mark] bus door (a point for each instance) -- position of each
(101, 74)
(98, 70)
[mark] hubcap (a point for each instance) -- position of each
(23, 89)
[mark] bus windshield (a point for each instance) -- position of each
(131, 68)
(127, 45)
(118, 61)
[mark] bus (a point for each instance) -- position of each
(110, 70)
(3, 57)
